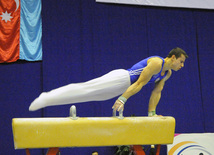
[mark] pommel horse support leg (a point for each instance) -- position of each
(91, 131)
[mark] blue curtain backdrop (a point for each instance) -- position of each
(83, 40)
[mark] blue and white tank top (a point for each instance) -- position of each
(136, 70)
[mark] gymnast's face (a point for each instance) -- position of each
(178, 63)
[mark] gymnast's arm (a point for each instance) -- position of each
(152, 68)
(156, 94)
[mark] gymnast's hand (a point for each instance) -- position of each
(157, 115)
(118, 105)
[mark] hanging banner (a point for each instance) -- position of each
(197, 4)
(192, 144)
(20, 30)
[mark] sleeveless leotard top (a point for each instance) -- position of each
(136, 70)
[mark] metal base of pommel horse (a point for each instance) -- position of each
(73, 131)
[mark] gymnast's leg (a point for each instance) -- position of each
(103, 88)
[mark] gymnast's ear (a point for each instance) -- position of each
(173, 57)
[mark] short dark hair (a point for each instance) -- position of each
(177, 52)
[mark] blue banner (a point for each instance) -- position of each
(31, 30)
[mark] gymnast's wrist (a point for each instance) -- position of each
(122, 99)
(152, 113)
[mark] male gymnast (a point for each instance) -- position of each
(154, 69)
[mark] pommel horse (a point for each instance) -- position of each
(75, 131)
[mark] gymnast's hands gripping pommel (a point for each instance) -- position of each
(119, 104)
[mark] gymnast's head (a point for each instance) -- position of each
(94, 153)
(177, 57)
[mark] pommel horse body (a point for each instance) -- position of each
(91, 131)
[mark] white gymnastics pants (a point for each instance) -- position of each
(105, 87)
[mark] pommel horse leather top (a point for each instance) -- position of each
(91, 131)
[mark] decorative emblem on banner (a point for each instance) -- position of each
(6, 16)
(191, 144)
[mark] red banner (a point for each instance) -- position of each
(9, 30)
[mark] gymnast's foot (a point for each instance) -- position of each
(38, 103)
